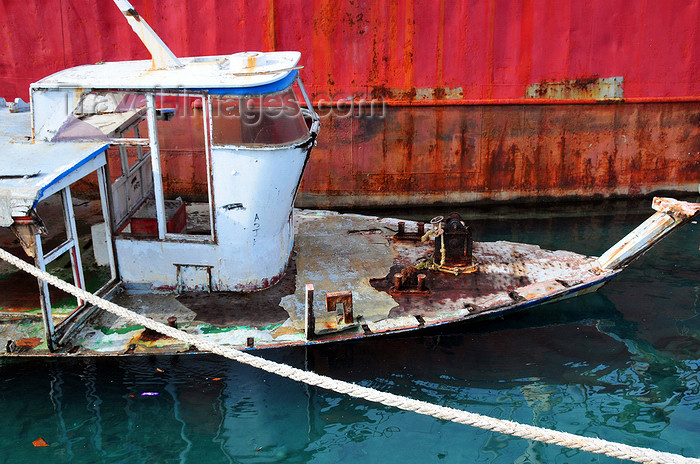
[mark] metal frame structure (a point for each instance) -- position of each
(30, 232)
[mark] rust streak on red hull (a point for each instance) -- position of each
(464, 154)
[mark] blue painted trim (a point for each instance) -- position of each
(256, 90)
(58, 178)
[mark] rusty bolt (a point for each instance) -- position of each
(172, 321)
(250, 342)
(421, 282)
(397, 281)
(402, 228)
(421, 228)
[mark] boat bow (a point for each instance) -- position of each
(670, 213)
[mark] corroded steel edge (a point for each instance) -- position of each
(680, 210)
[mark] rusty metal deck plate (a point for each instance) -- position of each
(335, 253)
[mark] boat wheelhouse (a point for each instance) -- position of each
(255, 130)
(255, 138)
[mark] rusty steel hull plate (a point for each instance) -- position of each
(461, 154)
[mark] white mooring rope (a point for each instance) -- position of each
(530, 432)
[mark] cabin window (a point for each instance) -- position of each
(184, 161)
(120, 119)
(103, 116)
(257, 120)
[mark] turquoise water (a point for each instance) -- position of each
(621, 364)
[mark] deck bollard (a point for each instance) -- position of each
(421, 282)
(397, 281)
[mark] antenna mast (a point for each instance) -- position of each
(160, 53)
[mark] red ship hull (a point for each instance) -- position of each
(481, 100)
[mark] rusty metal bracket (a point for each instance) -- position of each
(341, 303)
(416, 236)
(26, 228)
(409, 282)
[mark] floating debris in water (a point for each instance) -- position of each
(149, 394)
(39, 442)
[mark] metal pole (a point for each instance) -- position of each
(309, 310)
(44, 295)
(103, 184)
(155, 164)
(72, 235)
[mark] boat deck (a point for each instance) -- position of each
(335, 253)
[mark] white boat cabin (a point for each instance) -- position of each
(255, 126)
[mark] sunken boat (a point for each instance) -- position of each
(242, 268)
